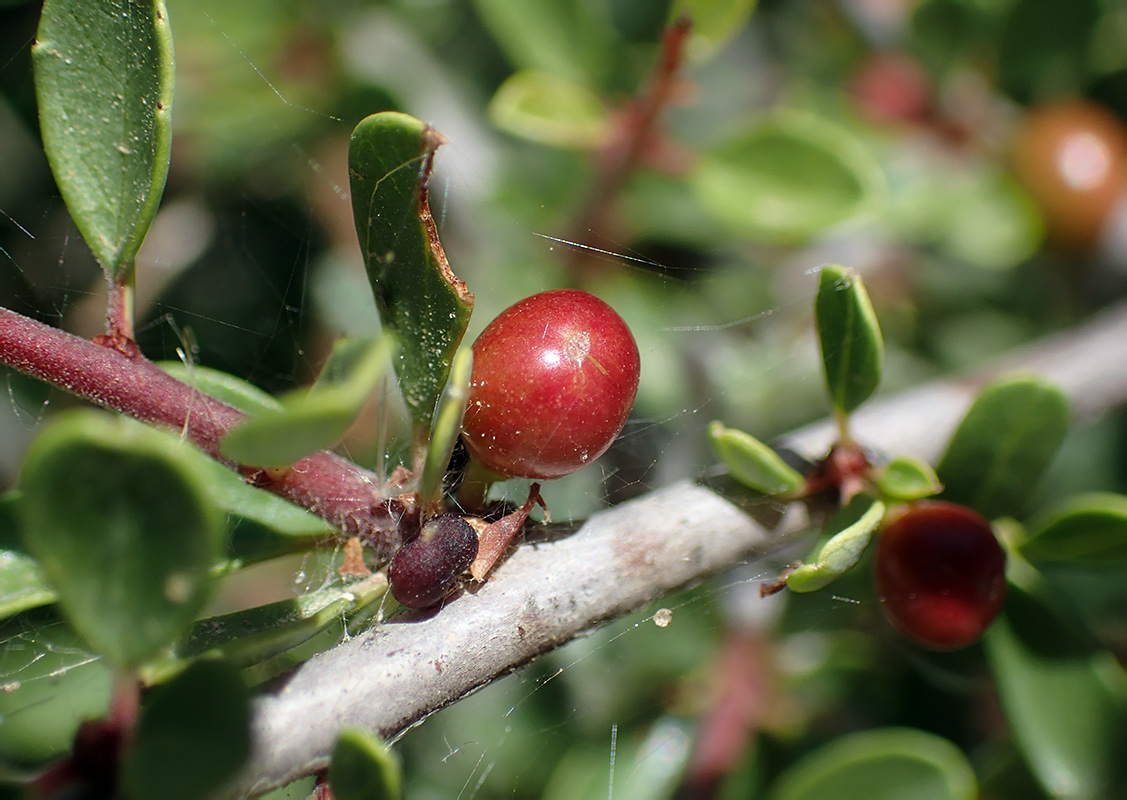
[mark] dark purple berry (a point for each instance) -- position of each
(424, 570)
(941, 574)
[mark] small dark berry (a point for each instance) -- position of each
(940, 573)
(424, 570)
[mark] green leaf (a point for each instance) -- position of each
(753, 463)
(364, 768)
(550, 110)
(907, 478)
(192, 736)
(1063, 702)
(882, 764)
(420, 299)
(22, 584)
(447, 425)
(715, 23)
(787, 179)
(222, 386)
(562, 37)
(52, 682)
(103, 79)
(260, 524)
(120, 523)
(852, 347)
(254, 634)
(1044, 49)
(840, 553)
(1003, 445)
(1089, 530)
(313, 419)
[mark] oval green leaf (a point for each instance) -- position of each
(883, 764)
(561, 37)
(753, 463)
(840, 553)
(787, 179)
(364, 768)
(420, 299)
(715, 23)
(52, 683)
(192, 736)
(103, 79)
(22, 583)
(1003, 445)
(255, 634)
(907, 478)
(550, 110)
(1089, 530)
(121, 525)
(850, 338)
(1063, 702)
(313, 419)
(223, 386)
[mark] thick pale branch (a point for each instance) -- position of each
(546, 594)
(332, 487)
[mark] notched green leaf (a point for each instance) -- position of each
(121, 525)
(753, 463)
(907, 478)
(1003, 445)
(103, 79)
(316, 418)
(550, 110)
(787, 179)
(839, 554)
(420, 299)
(882, 764)
(1089, 530)
(192, 736)
(850, 338)
(364, 768)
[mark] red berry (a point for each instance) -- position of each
(940, 574)
(424, 570)
(554, 378)
(1072, 158)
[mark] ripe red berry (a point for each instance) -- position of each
(554, 378)
(1072, 158)
(424, 570)
(940, 574)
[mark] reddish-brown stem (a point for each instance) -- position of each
(636, 134)
(332, 487)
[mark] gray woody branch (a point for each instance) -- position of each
(546, 594)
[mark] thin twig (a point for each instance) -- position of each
(332, 487)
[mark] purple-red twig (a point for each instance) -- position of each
(345, 495)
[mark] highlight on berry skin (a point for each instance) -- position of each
(554, 379)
